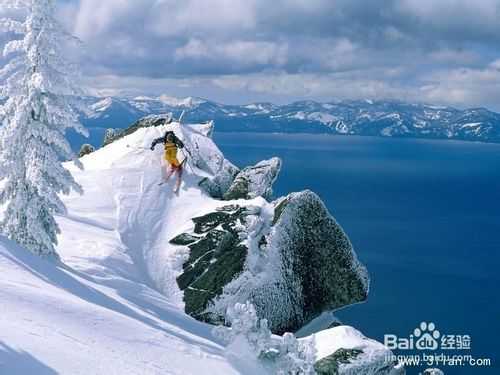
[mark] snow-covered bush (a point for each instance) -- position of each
(285, 355)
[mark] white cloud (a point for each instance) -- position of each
(495, 65)
(176, 18)
(460, 57)
(242, 52)
(464, 19)
(409, 49)
(95, 18)
(340, 85)
(464, 86)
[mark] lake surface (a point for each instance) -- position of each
(423, 216)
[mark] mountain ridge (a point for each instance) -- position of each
(385, 118)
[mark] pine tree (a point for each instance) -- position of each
(35, 88)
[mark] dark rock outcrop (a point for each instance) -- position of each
(216, 257)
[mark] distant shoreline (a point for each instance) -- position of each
(456, 140)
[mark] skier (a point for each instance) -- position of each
(171, 144)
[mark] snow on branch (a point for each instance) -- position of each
(12, 26)
(14, 4)
(12, 47)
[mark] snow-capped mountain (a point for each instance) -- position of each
(360, 117)
(139, 263)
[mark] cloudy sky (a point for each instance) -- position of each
(235, 51)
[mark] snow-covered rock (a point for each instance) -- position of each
(255, 181)
(217, 185)
(85, 150)
(345, 351)
(321, 270)
(112, 135)
(291, 252)
(220, 172)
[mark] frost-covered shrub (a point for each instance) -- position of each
(285, 355)
(85, 150)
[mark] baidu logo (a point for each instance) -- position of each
(427, 336)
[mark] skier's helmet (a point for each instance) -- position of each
(170, 137)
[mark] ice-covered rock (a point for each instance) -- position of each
(320, 268)
(255, 181)
(291, 252)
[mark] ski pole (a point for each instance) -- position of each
(188, 161)
(189, 152)
(181, 116)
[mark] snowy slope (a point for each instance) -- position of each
(59, 320)
(98, 314)
(112, 305)
(121, 182)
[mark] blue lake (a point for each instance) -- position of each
(423, 216)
